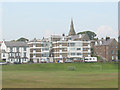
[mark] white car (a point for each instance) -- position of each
(43, 60)
(61, 61)
(3, 63)
(90, 59)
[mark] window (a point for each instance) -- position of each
(46, 45)
(11, 54)
(46, 49)
(72, 54)
(24, 48)
(72, 49)
(11, 49)
(69, 38)
(72, 44)
(42, 55)
(68, 44)
(3, 54)
(60, 43)
(60, 48)
(112, 52)
(24, 54)
(17, 49)
(34, 55)
(42, 45)
(60, 53)
(78, 53)
(78, 48)
(46, 55)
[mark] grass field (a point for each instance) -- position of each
(54, 75)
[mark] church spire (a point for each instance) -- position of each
(72, 31)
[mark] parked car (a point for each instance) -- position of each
(90, 59)
(43, 60)
(117, 60)
(61, 61)
(68, 61)
(17, 63)
(3, 63)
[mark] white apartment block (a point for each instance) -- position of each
(39, 49)
(73, 50)
(61, 47)
(15, 51)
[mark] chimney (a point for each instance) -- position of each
(107, 38)
(63, 34)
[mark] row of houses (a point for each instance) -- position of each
(59, 47)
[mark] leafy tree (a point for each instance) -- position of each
(22, 39)
(119, 54)
(12, 40)
(89, 33)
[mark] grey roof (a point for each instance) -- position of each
(79, 37)
(105, 42)
(16, 44)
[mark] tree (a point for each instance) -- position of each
(119, 54)
(89, 33)
(22, 39)
(12, 40)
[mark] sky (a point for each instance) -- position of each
(42, 19)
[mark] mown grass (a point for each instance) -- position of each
(54, 75)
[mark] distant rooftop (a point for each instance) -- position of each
(16, 44)
(105, 42)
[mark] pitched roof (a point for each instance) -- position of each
(16, 44)
(79, 37)
(105, 42)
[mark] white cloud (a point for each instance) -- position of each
(104, 31)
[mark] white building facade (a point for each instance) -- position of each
(15, 52)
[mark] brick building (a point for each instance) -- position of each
(107, 49)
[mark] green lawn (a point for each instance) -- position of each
(84, 75)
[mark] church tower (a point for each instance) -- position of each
(72, 31)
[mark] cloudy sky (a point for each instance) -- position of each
(41, 19)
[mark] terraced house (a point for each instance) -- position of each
(15, 51)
